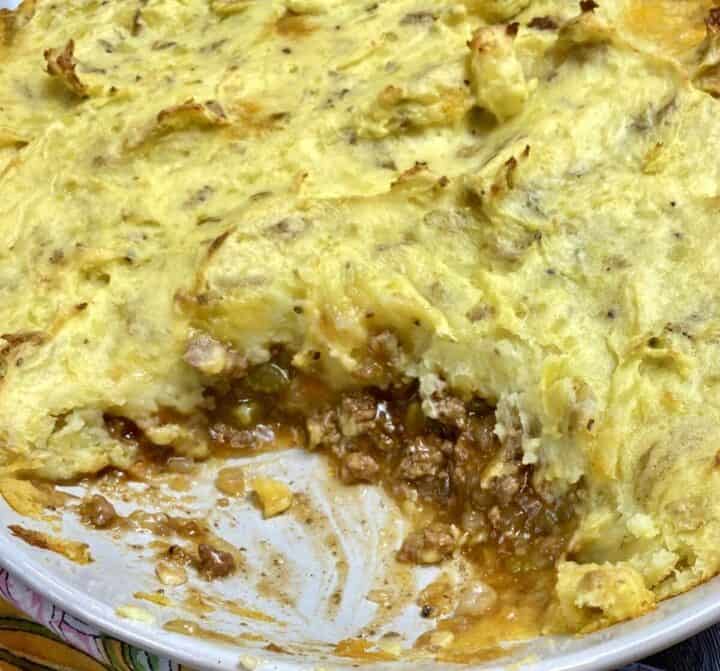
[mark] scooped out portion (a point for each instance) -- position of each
(466, 249)
(467, 494)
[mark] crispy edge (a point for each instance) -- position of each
(74, 550)
(61, 64)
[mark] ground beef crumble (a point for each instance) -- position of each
(444, 462)
(431, 545)
(358, 467)
(214, 563)
(438, 453)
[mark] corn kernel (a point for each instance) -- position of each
(274, 496)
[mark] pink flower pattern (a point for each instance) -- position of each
(74, 631)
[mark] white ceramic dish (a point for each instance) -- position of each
(319, 598)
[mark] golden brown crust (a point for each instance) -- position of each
(11, 21)
(7, 20)
(707, 72)
(61, 64)
(73, 550)
(187, 115)
(713, 20)
(190, 113)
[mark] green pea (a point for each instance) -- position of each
(247, 413)
(268, 378)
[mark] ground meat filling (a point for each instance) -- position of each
(214, 563)
(358, 467)
(476, 496)
(482, 492)
(431, 545)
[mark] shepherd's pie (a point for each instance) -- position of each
(467, 248)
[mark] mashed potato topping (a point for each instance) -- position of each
(521, 195)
